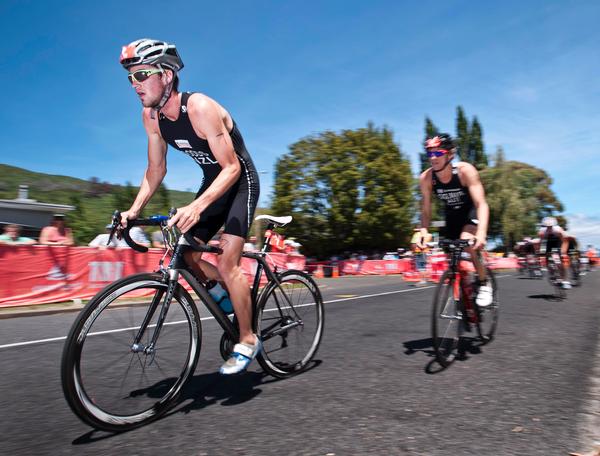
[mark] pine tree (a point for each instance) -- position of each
(476, 148)
(462, 135)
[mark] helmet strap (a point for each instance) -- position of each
(165, 97)
(444, 167)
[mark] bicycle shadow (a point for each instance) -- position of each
(201, 391)
(467, 346)
(212, 389)
(547, 297)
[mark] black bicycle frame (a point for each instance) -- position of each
(178, 267)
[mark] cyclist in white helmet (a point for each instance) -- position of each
(552, 237)
(203, 129)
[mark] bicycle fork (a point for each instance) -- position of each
(150, 349)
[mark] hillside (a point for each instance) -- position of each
(50, 188)
(95, 200)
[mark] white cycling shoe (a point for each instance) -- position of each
(566, 285)
(240, 358)
(485, 296)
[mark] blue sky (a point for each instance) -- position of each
(287, 69)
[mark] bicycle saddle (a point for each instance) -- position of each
(280, 221)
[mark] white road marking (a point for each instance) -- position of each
(56, 339)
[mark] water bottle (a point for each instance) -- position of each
(221, 297)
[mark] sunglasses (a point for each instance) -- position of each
(141, 75)
(436, 153)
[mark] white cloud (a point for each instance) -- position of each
(586, 228)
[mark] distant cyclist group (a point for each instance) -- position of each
(556, 250)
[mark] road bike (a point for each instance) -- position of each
(455, 311)
(575, 267)
(554, 265)
(136, 343)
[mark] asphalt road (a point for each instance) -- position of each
(375, 388)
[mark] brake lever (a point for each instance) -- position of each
(116, 222)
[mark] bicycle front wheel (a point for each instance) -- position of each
(112, 378)
(289, 320)
(446, 320)
(487, 320)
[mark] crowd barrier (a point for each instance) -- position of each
(436, 265)
(40, 274)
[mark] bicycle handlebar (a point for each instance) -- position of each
(456, 243)
(155, 220)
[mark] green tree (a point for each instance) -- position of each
(462, 135)
(83, 229)
(123, 196)
(476, 147)
(163, 200)
(518, 195)
(349, 191)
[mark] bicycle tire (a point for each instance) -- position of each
(487, 320)
(447, 322)
(290, 335)
(554, 279)
(575, 273)
(105, 405)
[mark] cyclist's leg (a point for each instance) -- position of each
(211, 220)
(237, 227)
(230, 271)
(468, 232)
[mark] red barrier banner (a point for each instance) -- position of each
(436, 265)
(358, 267)
(40, 274)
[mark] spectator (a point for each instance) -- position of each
(291, 248)
(11, 236)
(591, 254)
(101, 241)
(250, 246)
(420, 254)
(57, 233)
(138, 236)
(158, 240)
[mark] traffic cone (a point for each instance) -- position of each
(318, 274)
(335, 271)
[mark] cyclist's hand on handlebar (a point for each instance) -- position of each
(125, 216)
(128, 215)
(480, 241)
(186, 217)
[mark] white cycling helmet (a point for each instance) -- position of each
(161, 54)
(147, 51)
(549, 221)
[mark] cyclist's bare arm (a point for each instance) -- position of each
(155, 170)
(208, 119)
(426, 190)
(470, 178)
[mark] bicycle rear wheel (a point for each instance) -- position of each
(487, 320)
(555, 280)
(111, 383)
(289, 320)
(575, 273)
(446, 320)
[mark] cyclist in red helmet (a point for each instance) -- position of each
(458, 186)
(203, 129)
